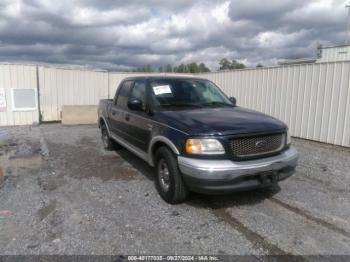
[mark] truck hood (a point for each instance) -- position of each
(220, 121)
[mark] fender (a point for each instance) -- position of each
(164, 140)
(106, 123)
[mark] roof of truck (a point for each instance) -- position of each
(156, 77)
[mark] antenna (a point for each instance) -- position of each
(348, 24)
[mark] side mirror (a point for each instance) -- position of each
(233, 100)
(135, 104)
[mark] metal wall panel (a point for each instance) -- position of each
(59, 86)
(334, 54)
(313, 99)
(18, 77)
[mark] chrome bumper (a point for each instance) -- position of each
(226, 174)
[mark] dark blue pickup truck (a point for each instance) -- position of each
(196, 137)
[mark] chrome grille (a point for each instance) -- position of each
(257, 145)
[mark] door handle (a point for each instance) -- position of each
(127, 117)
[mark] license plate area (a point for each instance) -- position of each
(269, 177)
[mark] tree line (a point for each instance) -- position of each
(182, 68)
(224, 64)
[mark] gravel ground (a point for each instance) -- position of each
(61, 193)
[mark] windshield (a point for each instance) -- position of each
(194, 93)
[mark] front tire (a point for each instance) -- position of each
(168, 180)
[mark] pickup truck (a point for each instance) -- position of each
(195, 137)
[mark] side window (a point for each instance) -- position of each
(139, 91)
(123, 94)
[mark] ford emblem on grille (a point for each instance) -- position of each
(246, 147)
(260, 144)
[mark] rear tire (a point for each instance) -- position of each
(108, 143)
(168, 180)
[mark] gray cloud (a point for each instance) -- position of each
(268, 11)
(121, 35)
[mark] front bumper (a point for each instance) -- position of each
(224, 176)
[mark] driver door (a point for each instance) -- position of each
(140, 125)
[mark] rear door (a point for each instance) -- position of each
(118, 111)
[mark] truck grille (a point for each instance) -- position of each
(256, 146)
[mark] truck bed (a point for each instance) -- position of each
(103, 108)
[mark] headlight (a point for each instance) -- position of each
(204, 147)
(289, 139)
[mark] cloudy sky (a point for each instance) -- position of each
(121, 34)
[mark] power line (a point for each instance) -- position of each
(348, 24)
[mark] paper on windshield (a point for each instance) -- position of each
(164, 89)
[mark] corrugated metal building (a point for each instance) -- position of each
(64, 87)
(334, 54)
(313, 99)
(18, 95)
(61, 86)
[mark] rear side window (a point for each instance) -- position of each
(123, 94)
(139, 91)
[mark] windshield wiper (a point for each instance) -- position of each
(181, 105)
(216, 103)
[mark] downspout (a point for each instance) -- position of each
(38, 93)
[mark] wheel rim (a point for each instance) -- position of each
(104, 137)
(163, 175)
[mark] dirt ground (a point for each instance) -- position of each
(61, 193)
